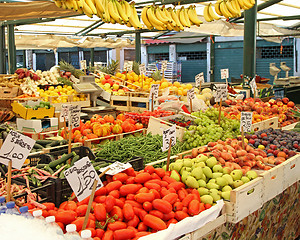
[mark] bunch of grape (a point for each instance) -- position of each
(207, 129)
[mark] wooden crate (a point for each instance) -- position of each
(41, 135)
(291, 171)
(138, 98)
(121, 103)
(88, 143)
(289, 127)
(7, 92)
(86, 103)
(273, 182)
(268, 123)
(244, 200)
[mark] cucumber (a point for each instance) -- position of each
(54, 143)
(44, 142)
(63, 159)
(38, 146)
(47, 168)
(75, 158)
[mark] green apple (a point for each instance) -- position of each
(221, 181)
(197, 173)
(200, 164)
(226, 188)
(175, 175)
(211, 162)
(207, 171)
(184, 176)
(228, 178)
(207, 199)
(201, 158)
(215, 194)
(237, 183)
(178, 165)
(218, 168)
(226, 195)
(202, 183)
(245, 179)
(203, 191)
(251, 174)
(217, 174)
(236, 174)
(192, 182)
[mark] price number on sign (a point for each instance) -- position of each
(64, 113)
(116, 167)
(169, 134)
(164, 65)
(246, 121)
(74, 113)
(220, 92)
(142, 69)
(16, 148)
(199, 78)
(253, 85)
(225, 73)
(81, 178)
(154, 91)
(191, 94)
(83, 64)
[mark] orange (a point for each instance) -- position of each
(176, 84)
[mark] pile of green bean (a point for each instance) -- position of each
(146, 146)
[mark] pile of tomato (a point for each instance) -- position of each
(131, 205)
(145, 116)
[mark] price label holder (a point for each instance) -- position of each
(14, 152)
(142, 69)
(153, 94)
(129, 66)
(115, 168)
(246, 121)
(220, 92)
(83, 65)
(125, 66)
(199, 79)
(74, 114)
(81, 178)
(164, 67)
(169, 140)
(253, 87)
(225, 74)
(64, 113)
(191, 96)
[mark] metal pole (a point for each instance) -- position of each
(24, 59)
(2, 50)
(92, 56)
(138, 47)
(212, 58)
(11, 49)
(250, 42)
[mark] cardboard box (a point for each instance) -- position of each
(37, 125)
(29, 113)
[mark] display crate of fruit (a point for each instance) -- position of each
(33, 109)
(265, 124)
(291, 171)
(182, 121)
(83, 100)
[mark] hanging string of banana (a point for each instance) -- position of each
(110, 11)
(162, 18)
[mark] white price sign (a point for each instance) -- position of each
(64, 113)
(154, 91)
(82, 64)
(220, 92)
(199, 78)
(142, 69)
(116, 167)
(225, 73)
(74, 116)
(246, 121)
(191, 94)
(129, 66)
(81, 178)
(16, 148)
(164, 65)
(125, 66)
(253, 86)
(168, 134)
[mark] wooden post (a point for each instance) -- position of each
(243, 140)
(191, 105)
(219, 120)
(65, 127)
(152, 102)
(169, 155)
(70, 137)
(89, 205)
(8, 197)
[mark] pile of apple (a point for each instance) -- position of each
(206, 174)
(111, 86)
(262, 110)
(277, 144)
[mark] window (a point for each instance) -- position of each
(275, 52)
(192, 55)
(153, 57)
(129, 54)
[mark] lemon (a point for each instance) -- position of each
(189, 86)
(51, 88)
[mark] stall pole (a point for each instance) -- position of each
(138, 47)
(92, 56)
(250, 42)
(24, 59)
(2, 50)
(11, 49)
(212, 58)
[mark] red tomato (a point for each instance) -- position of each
(124, 234)
(108, 235)
(128, 212)
(182, 193)
(171, 221)
(179, 215)
(101, 191)
(178, 206)
(142, 227)
(194, 207)
(119, 203)
(152, 186)
(171, 198)
(117, 213)
(129, 188)
(122, 177)
(147, 206)
(130, 196)
(130, 172)
(110, 202)
(142, 177)
(207, 206)
(130, 180)
(154, 222)
(115, 194)
(157, 181)
(48, 205)
(156, 213)
(162, 205)
(155, 176)
(141, 213)
(65, 216)
(160, 172)
(133, 222)
(168, 179)
(164, 192)
(155, 192)
(186, 201)
(99, 233)
(100, 212)
(81, 210)
(149, 169)
(144, 197)
(52, 212)
(164, 184)
(61, 225)
(143, 190)
(134, 203)
(176, 185)
(116, 225)
(197, 195)
(115, 185)
(168, 216)
(71, 205)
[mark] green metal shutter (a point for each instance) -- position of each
(158, 49)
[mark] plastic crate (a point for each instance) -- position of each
(137, 163)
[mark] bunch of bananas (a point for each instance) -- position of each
(232, 8)
(209, 14)
(162, 18)
(110, 11)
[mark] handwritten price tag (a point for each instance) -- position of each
(142, 69)
(246, 121)
(168, 134)
(81, 178)
(125, 66)
(129, 66)
(83, 64)
(154, 91)
(225, 73)
(74, 113)
(64, 113)
(164, 65)
(199, 78)
(16, 148)
(191, 94)
(116, 167)
(253, 85)
(220, 92)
